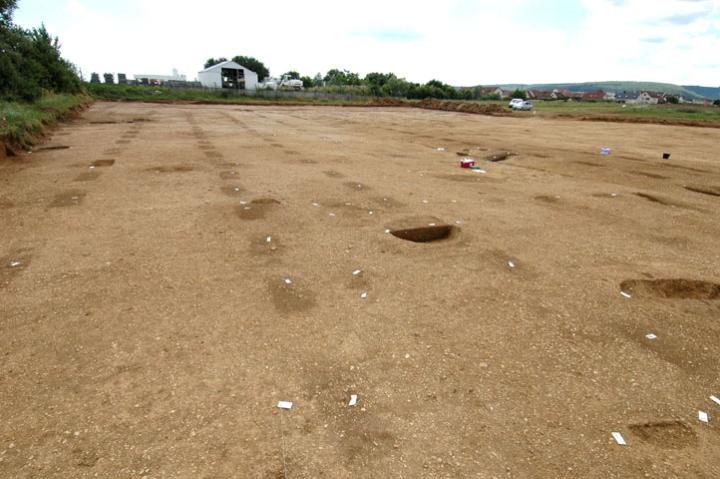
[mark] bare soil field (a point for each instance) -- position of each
(177, 270)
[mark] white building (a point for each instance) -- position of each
(161, 78)
(228, 75)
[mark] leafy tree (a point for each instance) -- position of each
(31, 63)
(521, 94)
(318, 80)
(253, 64)
(307, 82)
(673, 99)
(716, 103)
(7, 7)
(292, 75)
(377, 81)
(395, 86)
(214, 61)
(342, 78)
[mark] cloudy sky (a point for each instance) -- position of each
(461, 42)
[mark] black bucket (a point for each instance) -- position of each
(666, 156)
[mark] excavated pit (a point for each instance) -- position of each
(672, 288)
(425, 234)
(666, 434)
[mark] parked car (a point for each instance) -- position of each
(515, 103)
(520, 104)
(526, 105)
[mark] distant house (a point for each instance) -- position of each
(626, 97)
(594, 95)
(493, 90)
(609, 96)
(540, 95)
(649, 98)
(567, 95)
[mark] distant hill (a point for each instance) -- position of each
(712, 93)
(620, 86)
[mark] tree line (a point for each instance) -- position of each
(374, 84)
(30, 61)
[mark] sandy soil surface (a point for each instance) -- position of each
(178, 270)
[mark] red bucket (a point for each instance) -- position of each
(467, 163)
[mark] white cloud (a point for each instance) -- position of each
(462, 42)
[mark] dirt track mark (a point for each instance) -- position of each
(266, 244)
(657, 199)
(213, 154)
(233, 190)
(13, 264)
(103, 163)
(290, 298)
(356, 186)
(51, 148)
(462, 177)
(704, 190)
(387, 202)
(91, 175)
(206, 146)
(68, 198)
(589, 163)
(333, 174)
(671, 289)
(666, 434)
(6, 204)
(171, 169)
(547, 198)
(686, 168)
(229, 175)
(649, 175)
(256, 209)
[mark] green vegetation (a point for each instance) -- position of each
(20, 122)
(164, 94)
(37, 86)
(688, 92)
(670, 112)
(30, 63)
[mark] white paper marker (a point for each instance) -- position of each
(619, 438)
(356, 272)
(511, 264)
(703, 416)
(626, 295)
(363, 296)
(288, 281)
(285, 404)
(353, 400)
(15, 264)
(715, 400)
(651, 336)
(268, 239)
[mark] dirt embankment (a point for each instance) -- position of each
(492, 109)
(12, 146)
